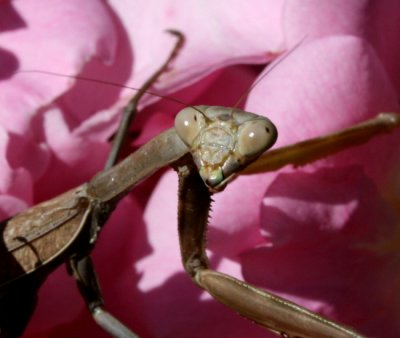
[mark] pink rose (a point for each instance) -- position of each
(322, 235)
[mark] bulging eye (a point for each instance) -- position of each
(256, 136)
(188, 123)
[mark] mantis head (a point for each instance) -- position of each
(223, 140)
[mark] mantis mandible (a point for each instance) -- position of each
(208, 147)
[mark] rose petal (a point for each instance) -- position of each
(313, 92)
(248, 39)
(330, 231)
(376, 22)
(45, 34)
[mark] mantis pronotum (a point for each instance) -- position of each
(222, 142)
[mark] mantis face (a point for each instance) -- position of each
(223, 140)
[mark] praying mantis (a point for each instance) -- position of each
(208, 147)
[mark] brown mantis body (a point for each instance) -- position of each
(207, 147)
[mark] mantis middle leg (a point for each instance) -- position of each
(81, 266)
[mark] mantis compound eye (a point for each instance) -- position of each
(188, 124)
(256, 136)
